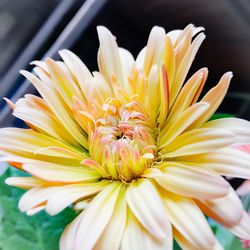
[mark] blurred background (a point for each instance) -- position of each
(31, 30)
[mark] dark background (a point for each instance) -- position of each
(227, 24)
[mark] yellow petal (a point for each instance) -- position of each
(198, 141)
(171, 131)
(34, 111)
(144, 200)
(189, 93)
(65, 86)
(152, 92)
(25, 141)
(169, 60)
(184, 67)
(59, 173)
(214, 97)
(59, 109)
(164, 96)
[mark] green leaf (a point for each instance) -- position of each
(220, 115)
(176, 246)
(225, 237)
(19, 231)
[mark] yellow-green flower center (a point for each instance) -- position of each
(122, 143)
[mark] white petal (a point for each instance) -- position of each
(35, 196)
(239, 127)
(127, 61)
(66, 195)
(155, 40)
(76, 66)
(67, 240)
(137, 238)
(188, 245)
(192, 181)
(109, 59)
(35, 210)
(24, 182)
(242, 229)
(189, 221)
(173, 34)
(140, 58)
(112, 235)
(144, 200)
(227, 161)
(96, 217)
(227, 210)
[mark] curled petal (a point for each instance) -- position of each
(242, 229)
(35, 197)
(244, 188)
(227, 210)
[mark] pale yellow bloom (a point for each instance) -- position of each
(131, 145)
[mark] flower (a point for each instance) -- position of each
(131, 145)
(244, 188)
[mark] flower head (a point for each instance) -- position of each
(131, 146)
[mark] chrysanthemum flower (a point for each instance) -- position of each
(131, 146)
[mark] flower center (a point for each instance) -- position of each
(122, 143)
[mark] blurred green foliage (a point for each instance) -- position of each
(21, 232)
